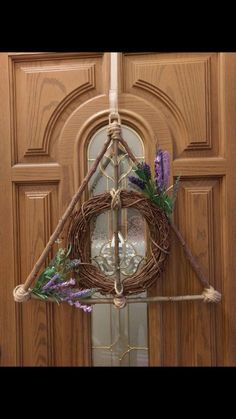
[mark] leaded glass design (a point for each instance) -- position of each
(119, 337)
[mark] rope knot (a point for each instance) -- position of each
(211, 295)
(115, 198)
(20, 294)
(114, 130)
(119, 301)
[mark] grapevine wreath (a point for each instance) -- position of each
(159, 229)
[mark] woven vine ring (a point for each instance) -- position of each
(159, 233)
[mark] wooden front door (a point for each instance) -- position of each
(51, 104)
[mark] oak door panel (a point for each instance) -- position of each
(51, 104)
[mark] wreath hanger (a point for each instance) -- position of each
(90, 277)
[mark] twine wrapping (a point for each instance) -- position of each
(20, 294)
(115, 195)
(114, 130)
(211, 295)
(119, 302)
(119, 293)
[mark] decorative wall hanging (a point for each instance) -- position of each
(90, 275)
(73, 277)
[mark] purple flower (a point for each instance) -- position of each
(53, 287)
(158, 169)
(84, 307)
(162, 169)
(166, 168)
(51, 282)
(138, 182)
(145, 169)
(70, 295)
(65, 284)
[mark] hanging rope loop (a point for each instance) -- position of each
(119, 293)
(119, 300)
(114, 130)
(114, 117)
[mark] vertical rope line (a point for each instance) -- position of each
(113, 93)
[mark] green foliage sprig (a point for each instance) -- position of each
(60, 281)
(157, 189)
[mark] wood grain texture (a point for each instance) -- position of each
(184, 102)
(40, 91)
(196, 330)
(228, 132)
(37, 208)
(188, 333)
(7, 306)
(46, 335)
(190, 327)
(181, 85)
(35, 172)
(200, 166)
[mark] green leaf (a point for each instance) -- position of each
(140, 174)
(69, 250)
(42, 296)
(168, 207)
(43, 277)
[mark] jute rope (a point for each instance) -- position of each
(20, 294)
(211, 295)
(120, 301)
(114, 130)
(115, 195)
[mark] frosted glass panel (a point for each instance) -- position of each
(132, 247)
(119, 337)
(122, 339)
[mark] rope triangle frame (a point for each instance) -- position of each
(23, 293)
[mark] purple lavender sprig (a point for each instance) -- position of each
(77, 304)
(143, 172)
(137, 182)
(156, 189)
(72, 281)
(71, 298)
(85, 307)
(53, 282)
(64, 284)
(50, 283)
(158, 169)
(162, 170)
(71, 295)
(145, 168)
